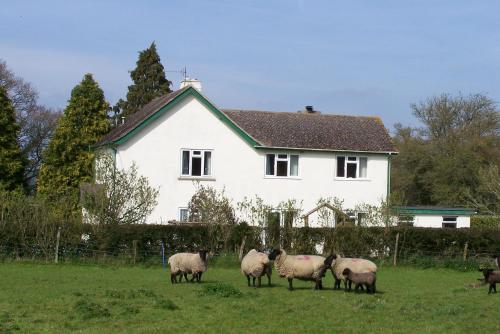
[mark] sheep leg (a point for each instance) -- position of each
(350, 285)
(321, 284)
(345, 284)
(491, 288)
(194, 276)
(254, 282)
(336, 285)
(269, 279)
(258, 281)
(290, 287)
(173, 278)
(248, 280)
(199, 277)
(186, 276)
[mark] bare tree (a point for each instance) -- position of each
(36, 121)
(119, 196)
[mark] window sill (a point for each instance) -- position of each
(351, 179)
(283, 177)
(196, 178)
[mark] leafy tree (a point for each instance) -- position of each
(68, 158)
(441, 162)
(11, 160)
(118, 196)
(149, 82)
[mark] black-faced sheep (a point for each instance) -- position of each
(188, 263)
(492, 277)
(337, 264)
(303, 267)
(360, 279)
(256, 264)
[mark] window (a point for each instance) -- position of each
(183, 214)
(282, 165)
(196, 163)
(406, 220)
(352, 167)
(450, 222)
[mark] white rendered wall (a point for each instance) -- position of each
(437, 221)
(236, 166)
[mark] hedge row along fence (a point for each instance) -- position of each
(144, 243)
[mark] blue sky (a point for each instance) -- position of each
(343, 57)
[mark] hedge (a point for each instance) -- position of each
(488, 222)
(144, 242)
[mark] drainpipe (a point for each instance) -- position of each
(389, 177)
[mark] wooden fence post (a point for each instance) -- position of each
(395, 261)
(242, 247)
(58, 238)
(466, 248)
(134, 245)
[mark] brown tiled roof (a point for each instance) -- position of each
(314, 131)
(135, 119)
(284, 129)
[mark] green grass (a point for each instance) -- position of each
(96, 299)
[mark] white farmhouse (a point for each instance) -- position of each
(183, 137)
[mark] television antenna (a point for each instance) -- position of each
(182, 71)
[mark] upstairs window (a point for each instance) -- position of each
(183, 214)
(282, 165)
(196, 163)
(450, 222)
(352, 167)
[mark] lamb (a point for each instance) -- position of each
(360, 279)
(188, 263)
(492, 277)
(303, 267)
(256, 264)
(337, 265)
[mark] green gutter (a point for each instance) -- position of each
(437, 211)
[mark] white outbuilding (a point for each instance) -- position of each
(433, 216)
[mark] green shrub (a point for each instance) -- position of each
(488, 222)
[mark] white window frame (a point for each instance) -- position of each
(189, 175)
(180, 214)
(356, 162)
(289, 165)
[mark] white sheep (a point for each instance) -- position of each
(256, 264)
(188, 263)
(337, 264)
(303, 267)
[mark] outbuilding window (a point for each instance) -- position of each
(282, 165)
(352, 167)
(196, 163)
(449, 222)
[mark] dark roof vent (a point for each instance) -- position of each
(310, 109)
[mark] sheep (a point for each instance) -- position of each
(337, 265)
(188, 263)
(360, 279)
(303, 267)
(256, 264)
(492, 277)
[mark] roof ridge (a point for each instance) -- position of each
(298, 113)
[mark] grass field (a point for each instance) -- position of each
(95, 299)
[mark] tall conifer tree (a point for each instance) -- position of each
(68, 158)
(11, 160)
(149, 81)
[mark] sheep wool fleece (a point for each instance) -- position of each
(254, 263)
(189, 263)
(304, 267)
